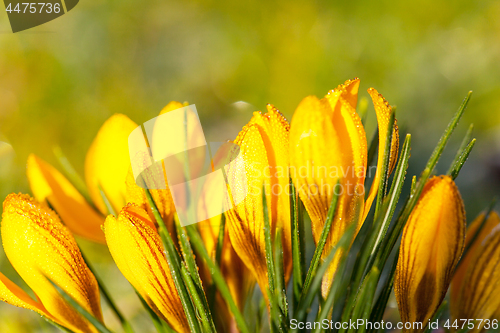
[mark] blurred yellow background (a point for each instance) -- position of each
(60, 81)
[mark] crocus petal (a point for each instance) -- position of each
(48, 184)
(107, 162)
(383, 111)
(39, 246)
(431, 246)
(162, 198)
(10, 293)
(476, 284)
(328, 143)
(138, 252)
(263, 144)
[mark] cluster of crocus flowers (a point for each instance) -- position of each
(42, 249)
(431, 247)
(474, 291)
(323, 151)
(328, 144)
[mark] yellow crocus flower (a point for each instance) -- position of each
(328, 143)
(432, 243)
(474, 291)
(263, 145)
(40, 248)
(138, 252)
(106, 167)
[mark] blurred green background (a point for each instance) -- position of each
(60, 81)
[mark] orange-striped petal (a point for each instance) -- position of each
(40, 247)
(328, 143)
(107, 162)
(48, 184)
(431, 246)
(138, 252)
(262, 144)
(476, 284)
(10, 293)
(383, 111)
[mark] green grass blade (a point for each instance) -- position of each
(363, 306)
(395, 231)
(298, 245)
(322, 240)
(107, 296)
(280, 290)
(193, 280)
(461, 160)
(314, 288)
(70, 172)
(217, 277)
(467, 138)
(269, 246)
(212, 290)
(87, 315)
(203, 310)
(174, 263)
(160, 326)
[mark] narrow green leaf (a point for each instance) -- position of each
(363, 305)
(465, 141)
(298, 245)
(107, 296)
(461, 160)
(314, 288)
(174, 263)
(193, 280)
(322, 240)
(396, 229)
(280, 291)
(70, 172)
(87, 315)
(160, 326)
(217, 277)
(372, 149)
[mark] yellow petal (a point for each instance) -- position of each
(476, 284)
(431, 246)
(48, 184)
(138, 252)
(39, 246)
(10, 293)
(383, 111)
(162, 198)
(328, 143)
(263, 144)
(107, 162)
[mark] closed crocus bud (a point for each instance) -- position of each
(431, 246)
(41, 248)
(263, 145)
(475, 289)
(328, 144)
(138, 252)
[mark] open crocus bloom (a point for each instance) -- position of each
(432, 243)
(40, 248)
(328, 144)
